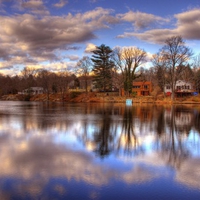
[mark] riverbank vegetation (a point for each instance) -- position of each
(93, 97)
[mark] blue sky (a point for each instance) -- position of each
(55, 34)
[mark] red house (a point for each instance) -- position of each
(142, 88)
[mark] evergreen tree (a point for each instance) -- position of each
(102, 67)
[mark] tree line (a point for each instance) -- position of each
(114, 69)
(30, 77)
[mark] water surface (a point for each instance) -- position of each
(99, 151)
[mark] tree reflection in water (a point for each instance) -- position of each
(98, 134)
(128, 141)
(173, 141)
(103, 137)
(128, 130)
(59, 146)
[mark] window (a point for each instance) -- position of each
(136, 86)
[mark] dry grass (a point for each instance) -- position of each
(92, 97)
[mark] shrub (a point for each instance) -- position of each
(75, 94)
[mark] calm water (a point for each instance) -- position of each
(99, 151)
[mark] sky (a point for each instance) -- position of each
(55, 34)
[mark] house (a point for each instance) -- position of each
(182, 88)
(33, 90)
(142, 88)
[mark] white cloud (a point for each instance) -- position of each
(142, 20)
(90, 47)
(41, 39)
(188, 26)
(153, 36)
(32, 6)
(73, 57)
(61, 3)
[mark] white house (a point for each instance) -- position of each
(33, 90)
(181, 87)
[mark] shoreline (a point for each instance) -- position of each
(93, 97)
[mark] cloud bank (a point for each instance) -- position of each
(28, 38)
(187, 25)
(32, 35)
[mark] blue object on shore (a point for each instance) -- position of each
(129, 102)
(195, 93)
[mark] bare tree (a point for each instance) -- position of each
(9, 85)
(28, 71)
(187, 74)
(128, 60)
(28, 76)
(196, 70)
(176, 55)
(84, 68)
(117, 80)
(45, 79)
(196, 62)
(160, 66)
(63, 80)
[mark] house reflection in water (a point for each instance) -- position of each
(180, 118)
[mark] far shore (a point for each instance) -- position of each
(101, 98)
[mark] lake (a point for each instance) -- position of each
(99, 151)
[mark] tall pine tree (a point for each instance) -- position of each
(102, 68)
